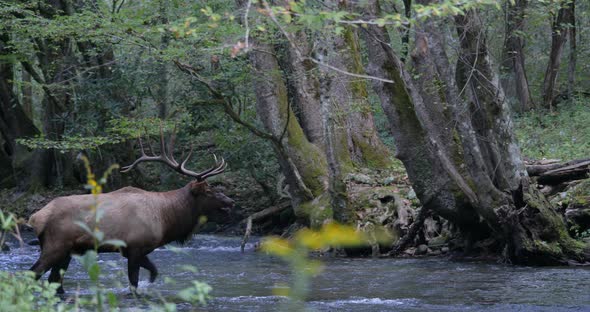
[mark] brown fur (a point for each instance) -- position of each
(143, 220)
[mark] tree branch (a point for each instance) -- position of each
(225, 101)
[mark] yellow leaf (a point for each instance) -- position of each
(309, 239)
(281, 290)
(277, 246)
(341, 235)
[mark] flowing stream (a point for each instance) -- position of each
(245, 281)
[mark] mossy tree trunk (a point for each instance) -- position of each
(456, 142)
(14, 124)
(303, 87)
(337, 135)
(330, 127)
(533, 232)
(350, 135)
(303, 163)
(351, 104)
(401, 101)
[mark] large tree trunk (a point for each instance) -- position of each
(304, 86)
(337, 154)
(514, 79)
(357, 141)
(456, 142)
(333, 114)
(559, 33)
(436, 190)
(56, 62)
(302, 162)
(27, 92)
(14, 124)
(350, 97)
(571, 70)
(532, 231)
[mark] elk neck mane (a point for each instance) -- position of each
(180, 214)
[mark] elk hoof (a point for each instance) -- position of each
(153, 277)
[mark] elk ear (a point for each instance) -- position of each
(198, 187)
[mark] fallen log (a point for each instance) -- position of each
(556, 173)
(258, 216)
(543, 166)
(267, 212)
(568, 173)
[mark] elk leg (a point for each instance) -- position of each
(56, 276)
(46, 261)
(133, 262)
(148, 265)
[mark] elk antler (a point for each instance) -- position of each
(167, 157)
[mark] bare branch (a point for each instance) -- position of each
(225, 101)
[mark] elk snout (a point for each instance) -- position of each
(228, 203)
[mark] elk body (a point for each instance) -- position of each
(143, 220)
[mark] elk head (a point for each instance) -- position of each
(207, 200)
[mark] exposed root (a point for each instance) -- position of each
(415, 228)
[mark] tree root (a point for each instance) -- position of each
(411, 235)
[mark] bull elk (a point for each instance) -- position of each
(143, 220)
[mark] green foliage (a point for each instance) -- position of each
(68, 143)
(563, 134)
(8, 224)
(197, 293)
(451, 7)
(118, 130)
(20, 292)
(578, 233)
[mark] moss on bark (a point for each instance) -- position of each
(319, 210)
(543, 238)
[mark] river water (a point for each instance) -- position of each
(245, 281)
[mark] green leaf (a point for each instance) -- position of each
(99, 214)
(94, 272)
(114, 242)
(112, 300)
(98, 235)
(84, 226)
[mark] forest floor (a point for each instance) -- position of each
(563, 134)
